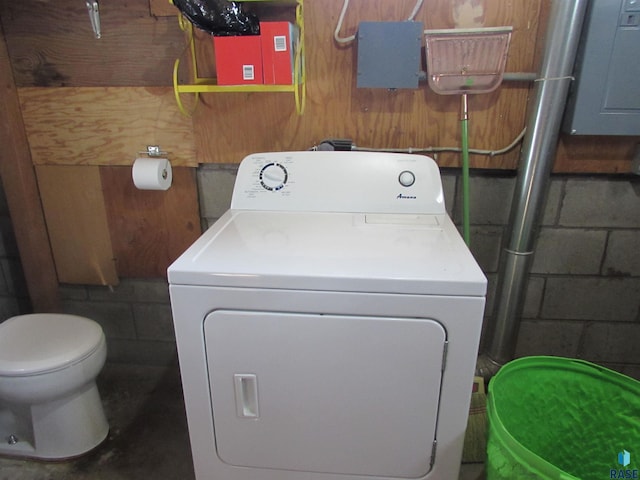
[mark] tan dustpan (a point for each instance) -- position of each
(463, 61)
(466, 60)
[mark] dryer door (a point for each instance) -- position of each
(325, 393)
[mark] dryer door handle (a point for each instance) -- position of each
(246, 390)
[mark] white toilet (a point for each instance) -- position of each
(50, 407)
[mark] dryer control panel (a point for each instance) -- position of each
(364, 182)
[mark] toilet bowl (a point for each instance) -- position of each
(50, 407)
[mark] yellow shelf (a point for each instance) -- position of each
(279, 2)
(209, 85)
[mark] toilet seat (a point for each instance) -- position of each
(45, 342)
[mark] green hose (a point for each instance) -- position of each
(464, 124)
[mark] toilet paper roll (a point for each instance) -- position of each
(152, 173)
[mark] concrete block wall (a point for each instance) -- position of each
(215, 186)
(589, 260)
(583, 297)
(135, 316)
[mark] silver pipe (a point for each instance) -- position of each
(539, 149)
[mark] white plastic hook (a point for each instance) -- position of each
(94, 16)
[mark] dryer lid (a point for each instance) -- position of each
(373, 253)
(37, 343)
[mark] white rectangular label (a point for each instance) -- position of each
(280, 43)
(248, 72)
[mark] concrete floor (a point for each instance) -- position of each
(148, 436)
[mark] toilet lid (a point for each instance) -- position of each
(31, 344)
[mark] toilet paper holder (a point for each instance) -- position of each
(154, 151)
(152, 170)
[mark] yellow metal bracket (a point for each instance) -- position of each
(209, 85)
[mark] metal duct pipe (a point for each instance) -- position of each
(539, 149)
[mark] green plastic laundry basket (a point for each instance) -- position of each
(561, 418)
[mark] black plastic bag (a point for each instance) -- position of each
(219, 17)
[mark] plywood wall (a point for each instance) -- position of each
(90, 102)
(74, 208)
(104, 125)
(229, 126)
(149, 229)
(51, 45)
(238, 124)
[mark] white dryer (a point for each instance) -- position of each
(328, 324)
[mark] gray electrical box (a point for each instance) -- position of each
(605, 97)
(389, 54)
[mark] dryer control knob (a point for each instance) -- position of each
(407, 178)
(273, 176)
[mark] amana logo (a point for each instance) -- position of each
(406, 197)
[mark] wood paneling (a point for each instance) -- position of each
(104, 125)
(229, 126)
(23, 199)
(393, 119)
(162, 8)
(77, 224)
(51, 43)
(579, 154)
(150, 229)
